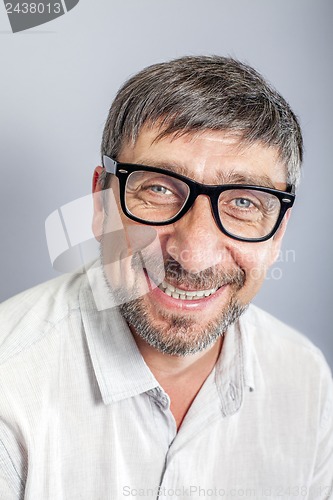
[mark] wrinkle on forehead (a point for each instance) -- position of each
(228, 137)
(235, 139)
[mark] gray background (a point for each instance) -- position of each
(57, 82)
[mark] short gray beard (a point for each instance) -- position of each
(181, 336)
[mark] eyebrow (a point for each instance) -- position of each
(221, 178)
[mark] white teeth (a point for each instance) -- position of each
(177, 293)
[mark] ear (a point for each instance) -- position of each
(278, 237)
(98, 217)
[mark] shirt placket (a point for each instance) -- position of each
(165, 422)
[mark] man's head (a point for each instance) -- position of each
(214, 121)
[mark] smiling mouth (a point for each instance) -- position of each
(177, 293)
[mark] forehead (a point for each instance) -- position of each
(211, 157)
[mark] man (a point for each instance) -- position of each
(148, 375)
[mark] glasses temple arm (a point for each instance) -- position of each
(109, 164)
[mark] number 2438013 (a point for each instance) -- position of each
(33, 8)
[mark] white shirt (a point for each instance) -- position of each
(82, 417)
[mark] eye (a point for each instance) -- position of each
(156, 188)
(243, 203)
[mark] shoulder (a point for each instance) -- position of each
(282, 352)
(30, 315)
(267, 329)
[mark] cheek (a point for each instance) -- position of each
(255, 262)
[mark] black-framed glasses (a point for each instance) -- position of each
(158, 197)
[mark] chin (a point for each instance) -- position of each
(178, 334)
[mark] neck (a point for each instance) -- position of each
(166, 366)
(180, 377)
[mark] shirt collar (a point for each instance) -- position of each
(120, 369)
(234, 368)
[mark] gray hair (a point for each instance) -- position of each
(198, 93)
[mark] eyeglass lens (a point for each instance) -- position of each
(155, 197)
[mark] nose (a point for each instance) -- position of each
(196, 242)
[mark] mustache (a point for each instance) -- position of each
(173, 272)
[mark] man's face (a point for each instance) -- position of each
(218, 275)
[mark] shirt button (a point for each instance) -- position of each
(232, 392)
